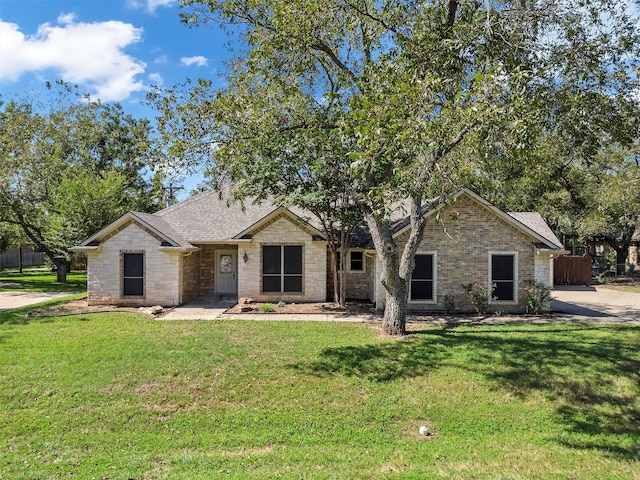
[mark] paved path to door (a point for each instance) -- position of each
(199, 309)
(9, 300)
(596, 304)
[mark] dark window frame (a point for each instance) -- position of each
(360, 260)
(129, 279)
(504, 280)
(287, 277)
(432, 279)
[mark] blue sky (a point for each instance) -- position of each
(113, 49)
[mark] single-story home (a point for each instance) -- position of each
(212, 246)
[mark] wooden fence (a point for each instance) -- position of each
(11, 258)
(572, 270)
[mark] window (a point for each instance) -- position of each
(503, 276)
(357, 262)
(282, 268)
(133, 274)
(422, 278)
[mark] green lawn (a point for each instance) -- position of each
(623, 288)
(42, 281)
(122, 396)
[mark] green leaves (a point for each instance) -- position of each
(71, 168)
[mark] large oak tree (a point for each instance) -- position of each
(394, 91)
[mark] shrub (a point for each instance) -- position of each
(538, 296)
(267, 307)
(449, 303)
(280, 304)
(480, 296)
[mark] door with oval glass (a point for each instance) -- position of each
(226, 272)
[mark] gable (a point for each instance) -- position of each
(486, 210)
(156, 228)
(275, 217)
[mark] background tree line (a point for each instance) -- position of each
(69, 166)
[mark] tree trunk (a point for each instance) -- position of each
(395, 312)
(622, 251)
(344, 246)
(397, 267)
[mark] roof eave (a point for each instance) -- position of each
(178, 249)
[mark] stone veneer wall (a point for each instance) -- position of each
(161, 269)
(463, 254)
(283, 231)
(359, 284)
(207, 269)
(190, 276)
(543, 269)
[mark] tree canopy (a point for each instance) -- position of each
(69, 166)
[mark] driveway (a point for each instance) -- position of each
(9, 300)
(596, 304)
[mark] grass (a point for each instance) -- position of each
(623, 288)
(42, 281)
(123, 396)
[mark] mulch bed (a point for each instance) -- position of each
(79, 307)
(351, 308)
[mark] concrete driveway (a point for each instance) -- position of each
(596, 304)
(9, 300)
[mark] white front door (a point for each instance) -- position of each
(226, 272)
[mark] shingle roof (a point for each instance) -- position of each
(162, 226)
(208, 217)
(535, 222)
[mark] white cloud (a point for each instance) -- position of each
(150, 5)
(162, 60)
(200, 61)
(89, 54)
(156, 79)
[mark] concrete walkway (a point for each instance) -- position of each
(9, 300)
(596, 304)
(570, 304)
(200, 309)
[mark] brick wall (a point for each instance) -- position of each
(283, 231)
(463, 241)
(207, 269)
(190, 276)
(359, 284)
(161, 269)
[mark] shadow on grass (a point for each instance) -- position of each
(43, 282)
(590, 373)
(19, 316)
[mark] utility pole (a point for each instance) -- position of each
(171, 189)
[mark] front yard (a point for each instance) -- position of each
(42, 281)
(118, 395)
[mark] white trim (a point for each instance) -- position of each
(364, 263)
(434, 300)
(516, 263)
(282, 274)
(123, 296)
